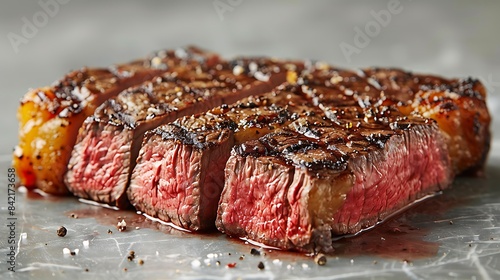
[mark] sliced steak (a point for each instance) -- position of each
(51, 116)
(298, 187)
(180, 170)
(109, 141)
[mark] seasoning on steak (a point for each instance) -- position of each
(180, 170)
(458, 105)
(109, 141)
(51, 116)
(319, 177)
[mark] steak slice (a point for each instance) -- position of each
(51, 116)
(317, 178)
(109, 141)
(458, 105)
(180, 169)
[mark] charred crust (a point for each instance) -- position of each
(170, 92)
(270, 145)
(252, 148)
(301, 146)
(175, 132)
(378, 139)
(449, 106)
(318, 142)
(197, 139)
(73, 89)
(264, 65)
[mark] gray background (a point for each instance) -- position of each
(452, 38)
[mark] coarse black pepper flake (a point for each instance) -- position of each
(261, 265)
(255, 252)
(131, 256)
(61, 231)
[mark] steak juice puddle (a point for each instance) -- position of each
(399, 237)
(113, 217)
(392, 239)
(395, 238)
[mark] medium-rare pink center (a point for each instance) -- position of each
(167, 187)
(104, 155)
(293, 207)
(411, 167)
(180, 183)
(257, 199)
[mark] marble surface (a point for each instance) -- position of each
(451, 38)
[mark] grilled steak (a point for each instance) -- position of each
(328, 153)
(180, 170)
(51, 116)
(297, 187)
(109, 141)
